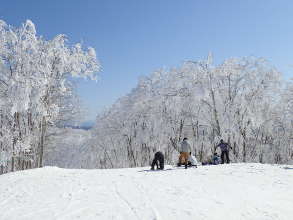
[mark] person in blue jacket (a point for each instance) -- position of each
(215, 159)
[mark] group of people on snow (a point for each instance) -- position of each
(187, 159)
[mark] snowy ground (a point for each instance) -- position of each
(230, 192)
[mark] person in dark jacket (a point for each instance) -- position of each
(158, 161)
(224, 151)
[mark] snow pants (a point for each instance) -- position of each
(158, 161)
(225, 153)
(183, 158)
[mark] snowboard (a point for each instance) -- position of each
(168, 169)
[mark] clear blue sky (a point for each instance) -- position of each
(135, 37)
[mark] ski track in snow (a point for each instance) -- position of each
(230, 192)
(131, 207)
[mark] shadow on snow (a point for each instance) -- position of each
(288, 168)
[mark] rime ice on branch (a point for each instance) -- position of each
(35, 90)
(243, 101)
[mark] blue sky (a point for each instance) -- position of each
(135, 37)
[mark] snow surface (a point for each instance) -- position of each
(230, 192)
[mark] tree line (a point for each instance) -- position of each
(244, 101)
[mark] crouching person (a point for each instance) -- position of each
(192, 161)
(215, 159)
(158, 161)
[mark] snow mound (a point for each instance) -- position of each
(230, 192)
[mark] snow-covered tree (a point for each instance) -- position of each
(240, 100)
(35, 90)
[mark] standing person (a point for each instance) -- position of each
(158, 161)
(185, 151)
(224, 151)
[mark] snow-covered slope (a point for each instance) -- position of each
(230, 192)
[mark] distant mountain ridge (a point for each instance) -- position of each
(87, 125)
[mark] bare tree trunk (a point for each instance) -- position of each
(244, 152)
(215, 113)
(42, 141)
